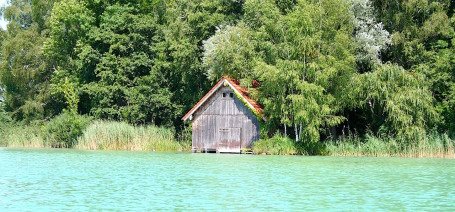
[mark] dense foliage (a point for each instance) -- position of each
(326, 68)
(64, 130)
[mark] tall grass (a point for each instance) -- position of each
(22, 136)
(109, 135)
(433, 145)
(277, 145)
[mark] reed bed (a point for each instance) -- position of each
(109, 135)
(22, 136)
(277, 145)
(432, 146)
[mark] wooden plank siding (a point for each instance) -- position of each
(227, 114)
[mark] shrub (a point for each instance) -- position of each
(277, 145)
(311, 148)
(64, 129)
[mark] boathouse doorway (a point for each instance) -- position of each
(228, 140)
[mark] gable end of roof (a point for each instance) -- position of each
(235, 86)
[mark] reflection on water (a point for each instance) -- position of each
(52, 179)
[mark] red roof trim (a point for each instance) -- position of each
(233, 84)
(245, 94)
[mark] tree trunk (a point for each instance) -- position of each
(296, 133)
(333, 132)
(285, 131)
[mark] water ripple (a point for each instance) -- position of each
(50, 179)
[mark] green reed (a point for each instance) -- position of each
(277, 145)
(110, 135)
(432, 145)
(22, 136)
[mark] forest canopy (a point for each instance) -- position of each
(326, 68)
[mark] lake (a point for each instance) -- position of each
(61, 179)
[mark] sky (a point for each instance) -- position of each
(2, 25)
(3, 22)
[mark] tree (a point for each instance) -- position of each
(229, 52)
(134, 61)
(402, 97)
(22, 72)
(301, 57)
(422, 38)
(371, 37)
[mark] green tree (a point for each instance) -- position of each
(401, 97)
(188, 24)
(302, 57)
(229, 52)
(422, 38)
(135, 61)
(21, 66)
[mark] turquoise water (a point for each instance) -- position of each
(55, 179)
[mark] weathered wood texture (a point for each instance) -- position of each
(224, 124)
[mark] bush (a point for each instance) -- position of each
(4, 117)
(311, 148)
(280, 145)
(277, 145)
(64, 129)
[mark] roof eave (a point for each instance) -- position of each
(211, 92)
(204, 99)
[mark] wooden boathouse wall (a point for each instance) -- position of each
(224, 124)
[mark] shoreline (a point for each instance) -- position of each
(422, 156)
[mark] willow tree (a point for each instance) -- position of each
(423, 40)
(402, 97)
(302, 55)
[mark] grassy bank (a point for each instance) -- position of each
(108, 135)
(98, 135)
(434, 145)
(22, 136)
(277, 145)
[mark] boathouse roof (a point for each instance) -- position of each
(235, 85)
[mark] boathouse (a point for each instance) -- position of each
(225, 120)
